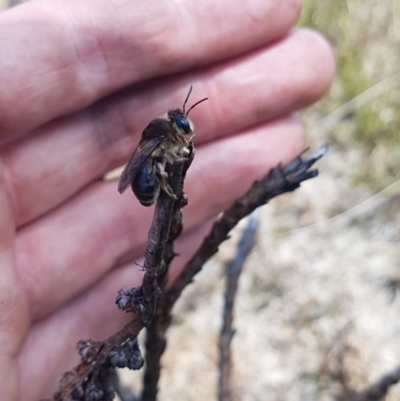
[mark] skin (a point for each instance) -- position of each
(79, 81)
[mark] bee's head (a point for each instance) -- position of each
(178, 118)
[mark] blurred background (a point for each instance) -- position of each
(318, 308)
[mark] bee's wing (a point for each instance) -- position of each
(135, 163)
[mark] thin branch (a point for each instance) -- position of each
(155, 334)
(278, 181)
(233, 271)
(91, 380)
(158, 236)
(379, 389)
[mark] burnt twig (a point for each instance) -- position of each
(278, 181)
(155, 333)
(233, 271)
(158, 236)
(92, 379)
(379, 389)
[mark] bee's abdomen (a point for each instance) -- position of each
(145, 186)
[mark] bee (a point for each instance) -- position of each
(164, 141)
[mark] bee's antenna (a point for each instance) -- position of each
(187, 98)
(200, 101)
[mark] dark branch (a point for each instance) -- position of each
(158, 236)
(278, 181)
(233, 271)
(93, 379)
(155, 334)
(378, 390)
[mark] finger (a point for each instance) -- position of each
(50, 349)
(93, 48)
(243, 93)
(14, 311)
(99, 228)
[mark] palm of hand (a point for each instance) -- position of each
(76, 93)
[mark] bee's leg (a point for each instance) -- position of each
(184, 153)
(163, 179)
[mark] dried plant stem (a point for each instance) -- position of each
(379, 389)
(158, 236)
(279, 180)
(92, 379)
(233, 271)
(155, 334)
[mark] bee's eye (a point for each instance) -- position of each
(183, 123)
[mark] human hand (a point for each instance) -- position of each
(79, 81)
